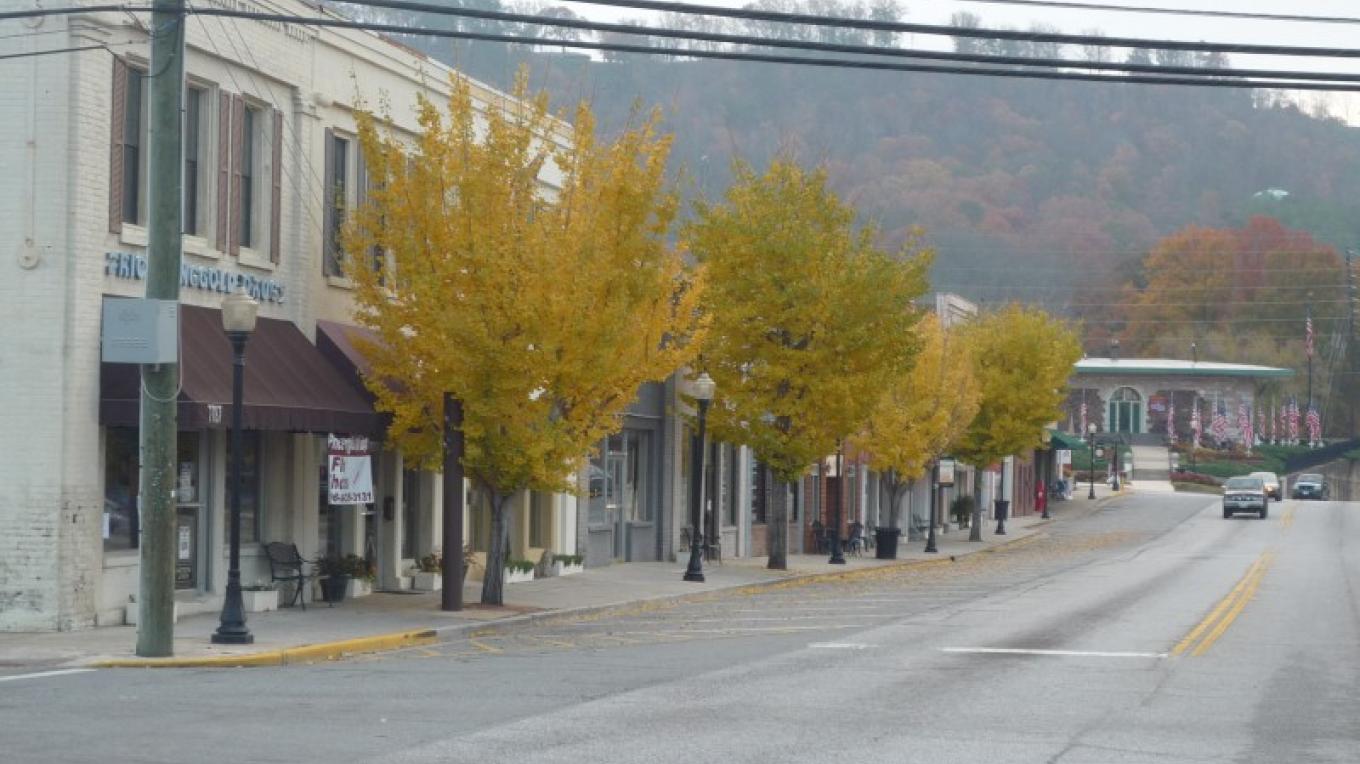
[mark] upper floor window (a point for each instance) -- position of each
(336, 201)
(127, 157)
(195, 143)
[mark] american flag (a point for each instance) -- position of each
(1083, 419)
(1293, 420)
(1273, 421)
(1308, 334)
(1244, 424)
(1314, 426)
(1220, 426)
(1171, 419)
(1196, 428)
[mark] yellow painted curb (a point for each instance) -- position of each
(324, 651)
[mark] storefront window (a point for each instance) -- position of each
(121, 527)
(730, 499)
(250, 485)
(410, 502)
(619, 487)
(760, 492)
(540, 521)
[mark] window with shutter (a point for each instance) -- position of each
(276, 187)
(223, 170)
(336, 198)
(238, 106)
(117, 123)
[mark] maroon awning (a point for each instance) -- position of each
(336, 341)
(289, 384)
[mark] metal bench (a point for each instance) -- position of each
(286, 564)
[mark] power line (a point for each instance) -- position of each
(1163, 10)
(837, 63)
(33, 13)
(868, 50)
(952, 31)
(53, 51)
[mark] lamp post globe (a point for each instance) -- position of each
(702, 389)
(238, 321)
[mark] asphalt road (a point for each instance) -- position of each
(1152, 630)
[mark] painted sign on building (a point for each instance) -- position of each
(126, 265)
(351, 470)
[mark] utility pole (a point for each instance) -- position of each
(160, 382)
(1350, 401)
(454, 447)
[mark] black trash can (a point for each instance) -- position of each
(885, 543)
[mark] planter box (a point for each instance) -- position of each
(563, 569)
(359, 587)
(260, 601)
(427, 582)
(515, 576)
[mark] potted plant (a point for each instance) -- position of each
(362, 573)
(429, 575)
(333, 572)
(260, 598)
(567, 564)
(518, 570)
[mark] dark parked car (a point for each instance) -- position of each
(1310, 485)
(1245, 494)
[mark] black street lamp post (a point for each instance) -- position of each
(1091, 472)
(703, 394)
(934, 496)
(238, 319)
(836, 557)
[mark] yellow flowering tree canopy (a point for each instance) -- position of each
(807, 314)
(922, 412)
(522, 265)
(1022, 358)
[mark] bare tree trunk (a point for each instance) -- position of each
(497, 549)
(778, 527)
(975, 532)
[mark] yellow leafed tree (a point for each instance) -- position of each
(1022, 358)
(543, 309)
(809, 318)
(922, 413)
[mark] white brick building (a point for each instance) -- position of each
(268, 128)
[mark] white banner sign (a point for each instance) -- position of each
(946, 472)
(351, 470)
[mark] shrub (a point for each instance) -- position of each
(1183, 476)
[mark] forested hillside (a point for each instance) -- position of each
(1027, 188)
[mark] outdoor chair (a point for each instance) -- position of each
(855, 543)
(287, 564)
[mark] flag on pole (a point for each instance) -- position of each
(1244, 424)
(1083, 419)
(1171, 418)
(1293, 420)
(1273, 422)
(1314, 427)
(1220, 426)
(1257, 426)
(1196, 427)
(1308, 334)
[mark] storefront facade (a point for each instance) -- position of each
(263, 148)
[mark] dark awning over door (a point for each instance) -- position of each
(289, 384)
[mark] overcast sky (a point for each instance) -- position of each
(1134, 24)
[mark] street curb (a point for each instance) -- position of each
(322, 651)
(332, 651)
(455, 631)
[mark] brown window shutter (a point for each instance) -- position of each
(238, 108)
(329, 258)
(276, 188)
(118, 119)
(223, 170)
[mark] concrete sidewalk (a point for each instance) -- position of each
(389, 620)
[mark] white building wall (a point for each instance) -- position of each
(54, 195)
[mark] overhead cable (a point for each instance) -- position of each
(949, 31)
(836, 63)
(869, 50)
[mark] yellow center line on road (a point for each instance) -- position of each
(1226, 611)
(1288, 520)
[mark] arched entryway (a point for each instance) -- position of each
(1126, 411)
